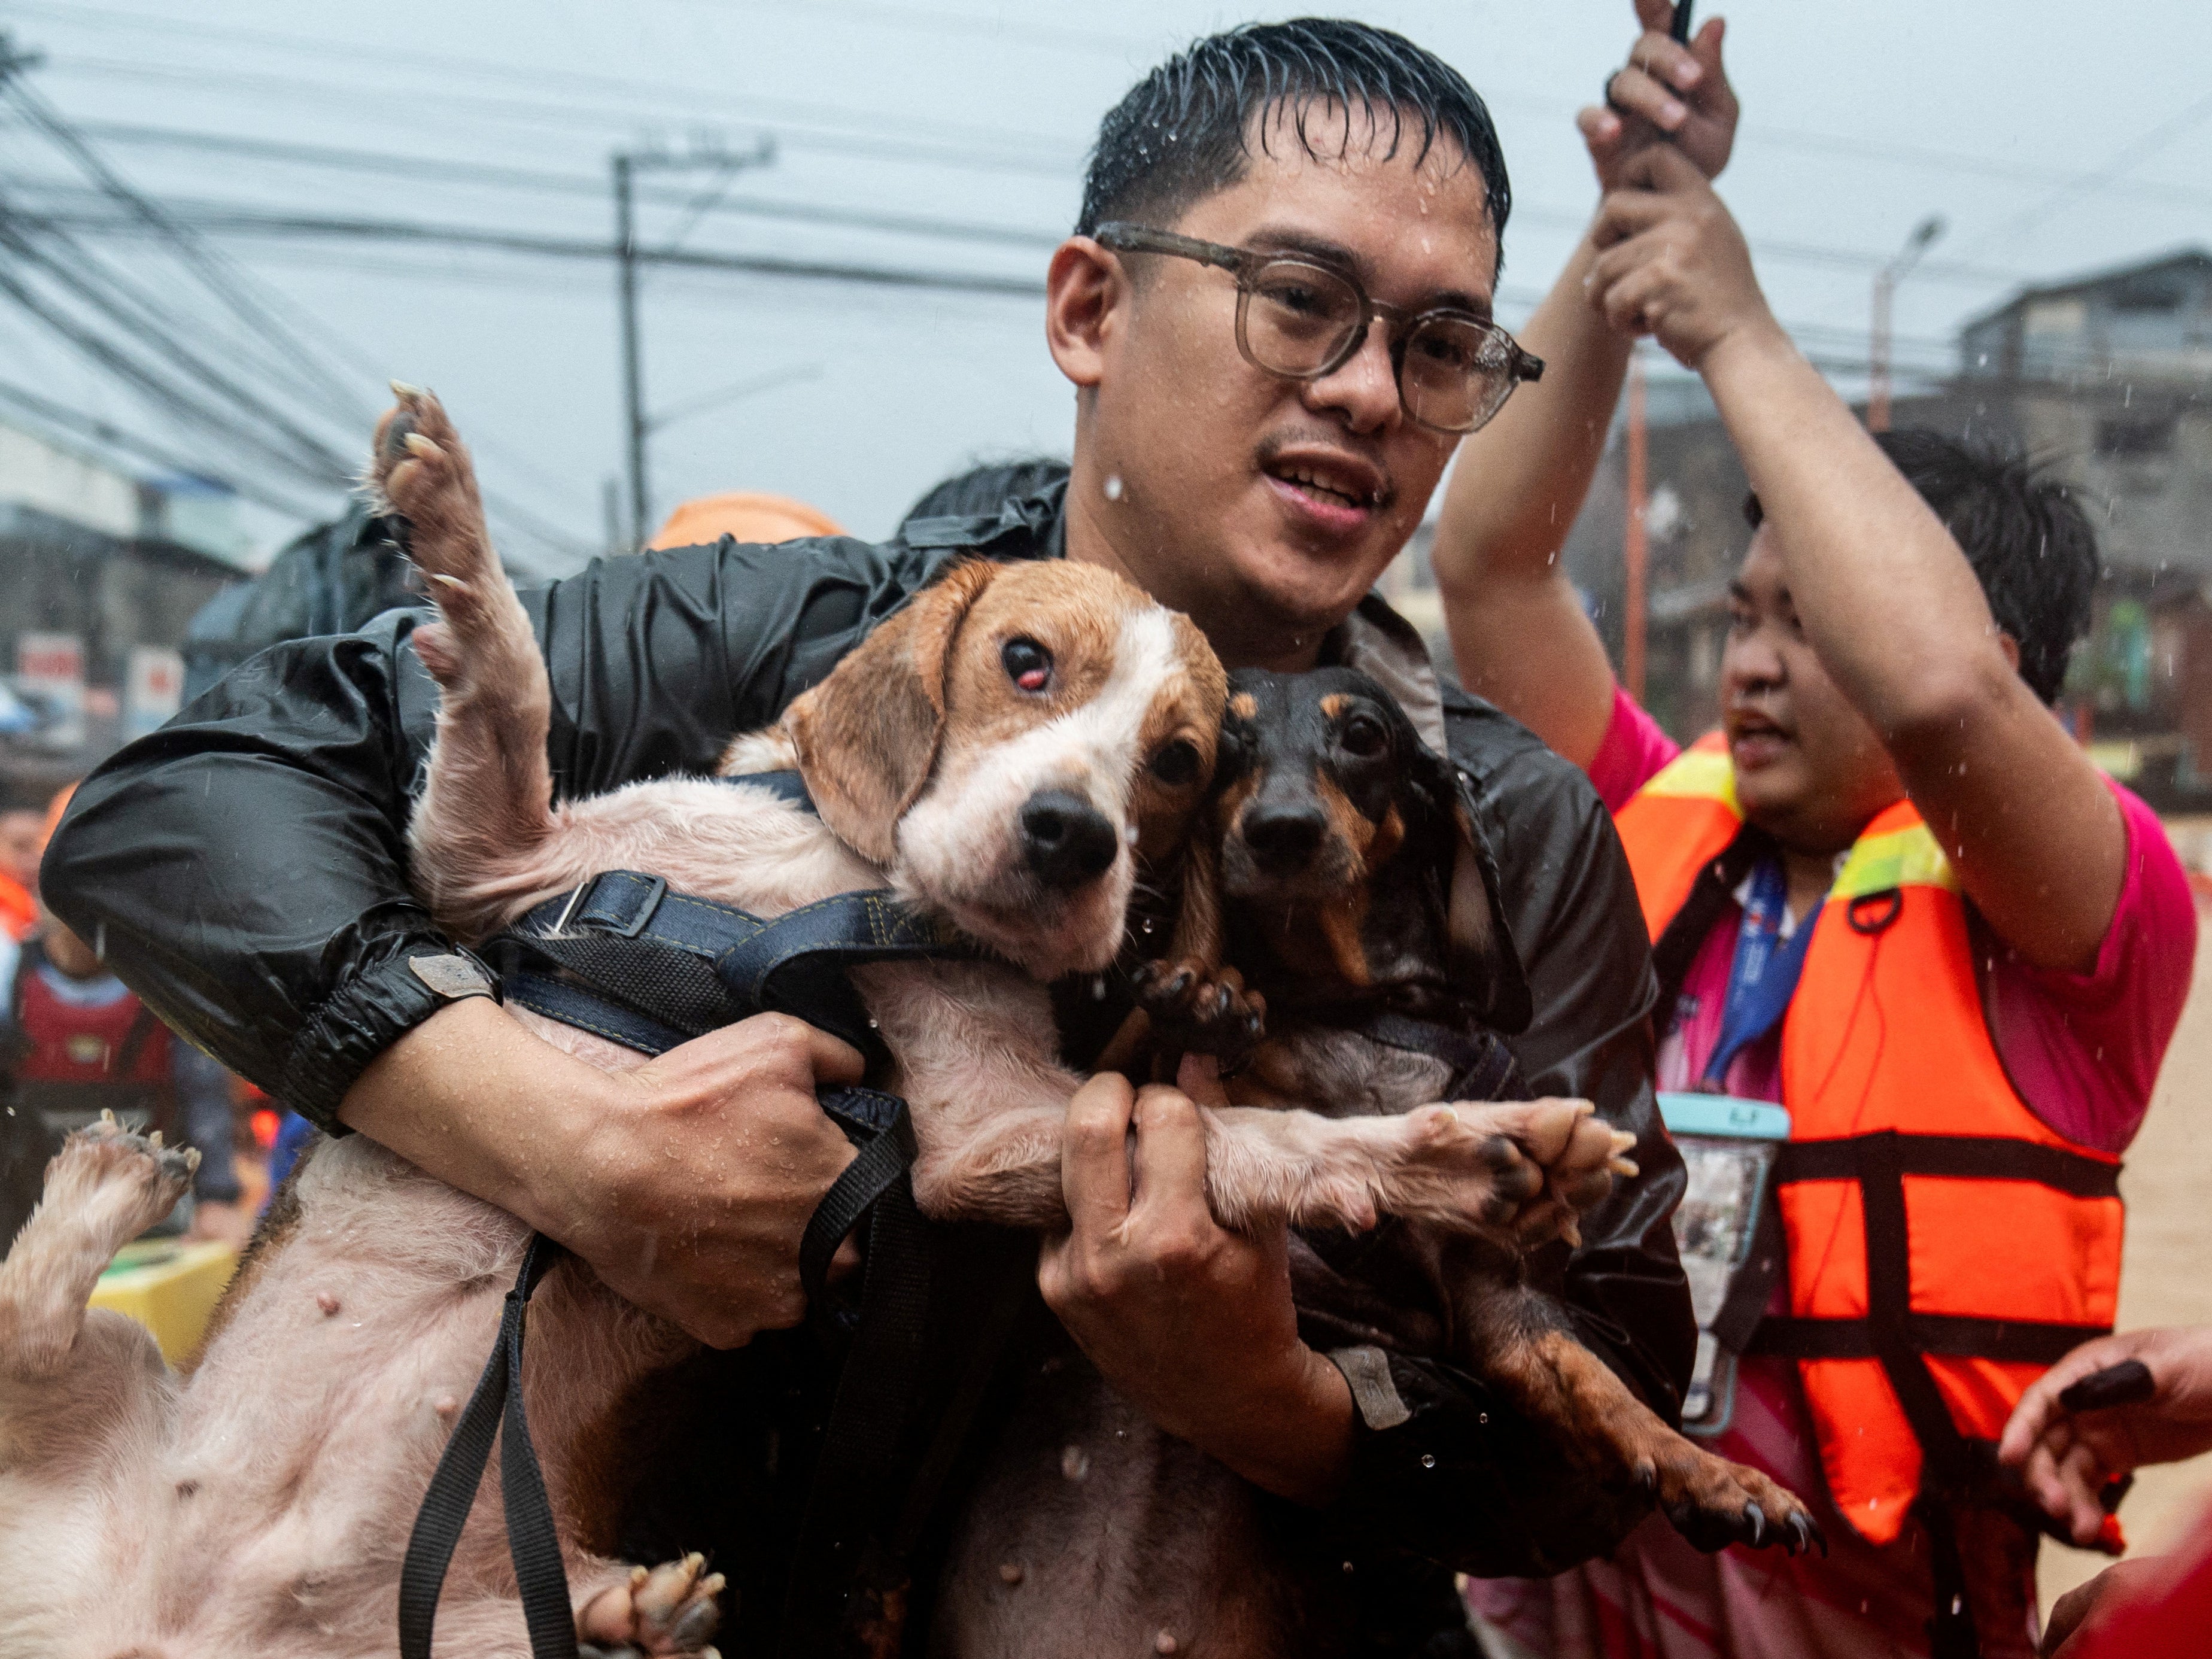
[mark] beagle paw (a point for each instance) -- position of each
(420, 468)
(120, 1181)
(1522, 1171)
(667, 1612)
(1197, 1009)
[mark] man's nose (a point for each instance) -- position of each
(1365, 386)
(1752, 659)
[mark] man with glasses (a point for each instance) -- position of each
(1276, 313)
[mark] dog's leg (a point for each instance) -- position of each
(1495, 1168)
(71, 1378)
(668, 1610)
(486, 802)
(1520, 1342)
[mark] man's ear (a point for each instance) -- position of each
(1084, 289)
(867, 736)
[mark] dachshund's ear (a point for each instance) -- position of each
(867, 736)
(1481, 958)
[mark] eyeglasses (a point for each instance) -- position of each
(1301, 319)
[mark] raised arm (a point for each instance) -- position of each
(1519, 633)
(1885, 596)
(244, 869)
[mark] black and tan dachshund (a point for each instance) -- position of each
(1368, 970)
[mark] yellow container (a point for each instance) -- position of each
(168, 1286)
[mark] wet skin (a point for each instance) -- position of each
(1264, 508)
(1809, 769)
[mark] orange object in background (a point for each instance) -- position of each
(19, 911)
(748, 515)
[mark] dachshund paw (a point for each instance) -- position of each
(1198, 1009)
(1713, 1503)
(667, 1612)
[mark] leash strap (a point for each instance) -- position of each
(495, 1410)
(1483, 1067)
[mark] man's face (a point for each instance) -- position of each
(22, 842)
(1266, 507)
(1808, 769)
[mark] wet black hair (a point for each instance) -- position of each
(1182, 133)
(984, 488)
(2023, 531)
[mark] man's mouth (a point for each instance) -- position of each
(1754, 741)
(1337, 491)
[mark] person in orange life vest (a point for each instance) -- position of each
(1891, 893)
(2068, 1450)
(77, 1042)
(22, 839)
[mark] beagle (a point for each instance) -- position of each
(1006, 753)
(1357, 912)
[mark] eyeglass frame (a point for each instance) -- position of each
(1122, 236)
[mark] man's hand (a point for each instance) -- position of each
(686, 1183)
(2067, 1457)
(1672, 262)
(1668, 92)
(1193, 1324)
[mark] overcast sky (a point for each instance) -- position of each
(2054, 138)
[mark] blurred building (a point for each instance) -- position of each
(2108, 380)
(102, 569)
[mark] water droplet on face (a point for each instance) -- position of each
(1113, 486)
(1011, 1573)
(1428, 1460)
(1075, 1463)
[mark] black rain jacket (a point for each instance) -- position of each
(245, 870)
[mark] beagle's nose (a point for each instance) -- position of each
(1066, 840)
(1283, 839)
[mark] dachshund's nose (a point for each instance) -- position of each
(1283, 839)
(1066, 840)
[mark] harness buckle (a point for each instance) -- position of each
(617, 901)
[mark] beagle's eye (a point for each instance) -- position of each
(1363, 736)
(1028, 665)
(1176, 763)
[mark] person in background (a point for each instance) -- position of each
(22, 839)
(1890, 893)
(2069, 1455)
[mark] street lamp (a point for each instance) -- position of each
(1884, 291)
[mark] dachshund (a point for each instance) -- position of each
(1360, 915)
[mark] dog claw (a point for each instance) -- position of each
(405, 392)
(426, 448)
(1755, 1518)
(155, 1141)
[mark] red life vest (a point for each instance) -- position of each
(70, 1059)
(1945, 1245)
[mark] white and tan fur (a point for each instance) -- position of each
(261, 1506)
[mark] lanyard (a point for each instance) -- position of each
(1766, 970)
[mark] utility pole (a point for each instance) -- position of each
(1885, 294)
(627, 165)
(1635, 545)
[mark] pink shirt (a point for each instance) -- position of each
(2083, 1049)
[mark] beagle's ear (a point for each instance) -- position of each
(867, 736)
(1480, 954)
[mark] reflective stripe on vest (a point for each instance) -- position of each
(1945, 1245)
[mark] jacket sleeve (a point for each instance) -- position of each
(244, 869)
(1458, 1478)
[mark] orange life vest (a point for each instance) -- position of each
(1945, 1245)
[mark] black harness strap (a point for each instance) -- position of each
(1483, 1067)
(494, 1409)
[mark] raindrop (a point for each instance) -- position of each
(1428, 1460)
(1075, 1463)
(1098, 989)
(1113, 486)
(1148, 924)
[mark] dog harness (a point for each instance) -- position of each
(1944, 1245)
(626, 959)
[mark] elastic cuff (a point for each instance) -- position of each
(360, 1019)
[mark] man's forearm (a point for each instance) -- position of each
(478, 1102)
(1518, 631)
